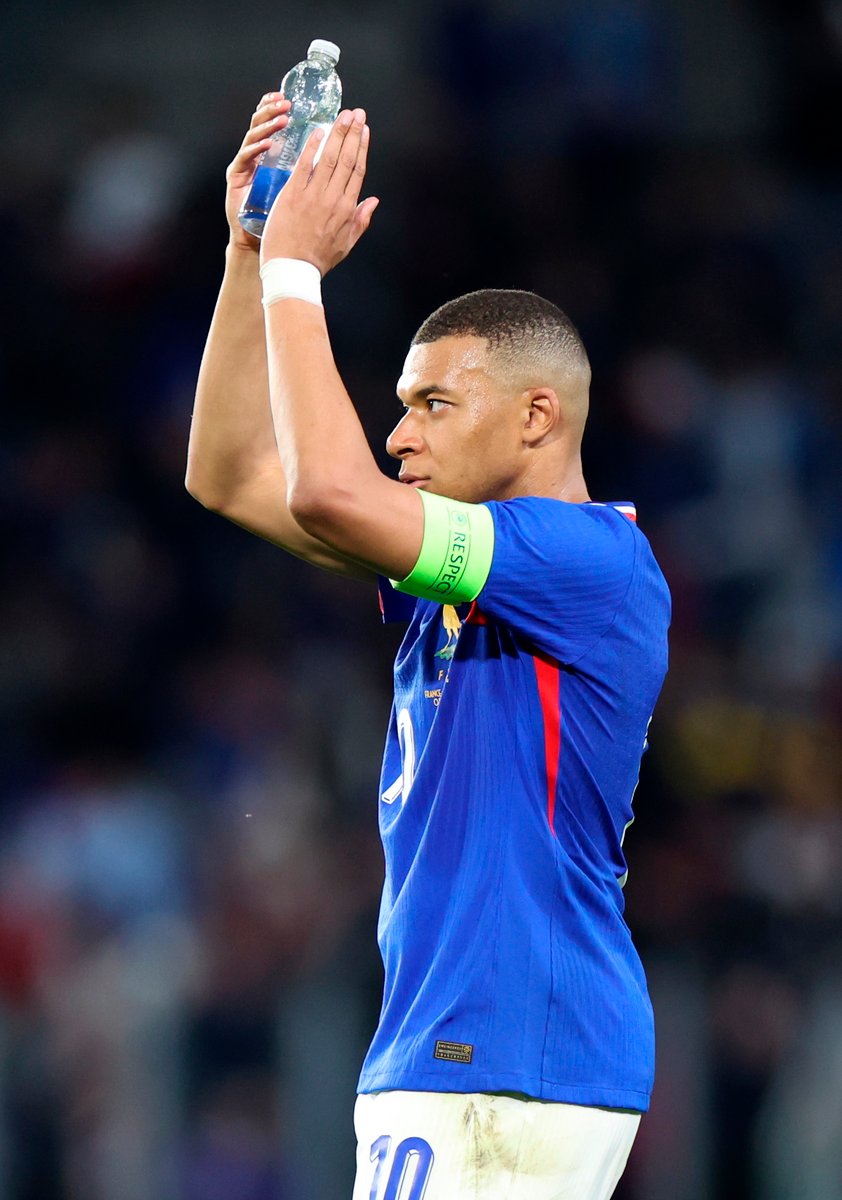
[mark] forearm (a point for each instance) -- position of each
(320, 440)
(334, 488)
(231, 435)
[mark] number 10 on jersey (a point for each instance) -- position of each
(406, 741)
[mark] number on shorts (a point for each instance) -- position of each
(379, 1150)
(413, 1154)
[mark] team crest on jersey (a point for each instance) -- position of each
(452, 625)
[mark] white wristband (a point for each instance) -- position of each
(291, 278)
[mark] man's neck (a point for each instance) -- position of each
(564, 482)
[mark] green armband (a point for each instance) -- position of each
(456, 552)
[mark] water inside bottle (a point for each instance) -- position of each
(266, 184)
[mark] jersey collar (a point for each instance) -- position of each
(622, 506)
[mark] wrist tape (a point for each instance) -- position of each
(291, 279)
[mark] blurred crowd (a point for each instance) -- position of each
(192, 722)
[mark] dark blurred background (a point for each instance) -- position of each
(192, 722)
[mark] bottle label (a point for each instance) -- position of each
(285, 152)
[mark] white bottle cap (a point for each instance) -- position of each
(320, 46)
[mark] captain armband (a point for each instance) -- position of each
(456, 551)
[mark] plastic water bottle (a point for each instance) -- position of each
(316, 94)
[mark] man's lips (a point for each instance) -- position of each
(413, 480)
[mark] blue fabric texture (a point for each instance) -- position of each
(511, 761)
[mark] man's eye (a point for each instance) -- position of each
(436, 405)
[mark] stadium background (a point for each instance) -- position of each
(191, 727)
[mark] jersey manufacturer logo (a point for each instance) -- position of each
(452, 625)
(458, 1052)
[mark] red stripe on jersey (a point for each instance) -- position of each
(475, 616)
(547, 674)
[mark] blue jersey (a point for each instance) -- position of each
(511, 760)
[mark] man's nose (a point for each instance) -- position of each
(404, 438)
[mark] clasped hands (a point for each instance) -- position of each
(318, 216)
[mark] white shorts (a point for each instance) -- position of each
(481, 1146)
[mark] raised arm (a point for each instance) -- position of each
(334, 487)
(233, 466)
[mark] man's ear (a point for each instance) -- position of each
(543, 416)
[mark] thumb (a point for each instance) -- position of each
(364, 213)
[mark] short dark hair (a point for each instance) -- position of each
(513, 322)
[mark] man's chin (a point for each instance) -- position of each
(442, 489)
(451, 493)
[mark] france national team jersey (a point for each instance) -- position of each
(511, 759)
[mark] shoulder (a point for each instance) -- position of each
(561, 572)
(561, 531)
(547, 509)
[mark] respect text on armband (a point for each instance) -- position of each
(456, 557)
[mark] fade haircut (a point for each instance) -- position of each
(526, 332)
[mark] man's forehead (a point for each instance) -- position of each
(450, 363)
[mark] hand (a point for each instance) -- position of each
(271, 114)
(316, 215)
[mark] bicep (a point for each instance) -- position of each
(379, 524)
(429, 545)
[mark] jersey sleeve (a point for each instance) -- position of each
(559, 573)
(394, 606)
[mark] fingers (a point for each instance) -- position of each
(345, 170)
(354, 183)
(339, 157)
(304, 167)
(270, 116)
(271, 105)
(333, 145)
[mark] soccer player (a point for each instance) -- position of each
(514, 1051)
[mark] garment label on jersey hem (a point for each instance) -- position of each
(458, 1052)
